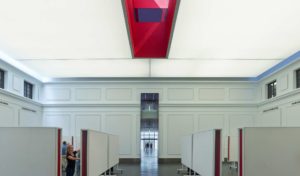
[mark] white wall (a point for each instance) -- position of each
(185, 107)
(16, 110)
(114, 107)
(14, 81)
(283, 109)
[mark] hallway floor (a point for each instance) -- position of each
(149, 166)
(163, 170)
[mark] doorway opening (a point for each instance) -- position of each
(149, 128)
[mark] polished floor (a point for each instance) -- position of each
(149, 166)
(164, 170)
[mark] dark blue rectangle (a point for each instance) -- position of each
(149, 14)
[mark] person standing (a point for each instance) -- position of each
(64, 148)
(64, 156)
(71, 158)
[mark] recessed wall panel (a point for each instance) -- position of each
(178, 126)
(283, 83)
(29, 119)
(211, 121)
(88, 94)
(88, 121)
(17, 83)
(58, 120)
(268, 119)
(241, 94)
(8, 118)
(120, 125)
(181, 94)
(211, 94)
(118, 94)
(291, 115)
(57, 94)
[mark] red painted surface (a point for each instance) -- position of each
(218, 153)
(59, 152)
(150, 39)
(84, 153)
(240, 152)
(228, 148)
(151, 3)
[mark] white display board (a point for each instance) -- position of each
(204, 153)
(29, 151)
(271, 151)
(234, 148)
(187, 150)
(113, 147)
(97, 153)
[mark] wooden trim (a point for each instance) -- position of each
(228, 148)
(59, 152)
(218, 147)
(240, 169)
(84, 135)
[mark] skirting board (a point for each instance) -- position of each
(169, 160)
(129, 160)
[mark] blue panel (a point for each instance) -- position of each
(282, 64)
(149, 14)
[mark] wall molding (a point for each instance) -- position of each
(46, 105)
(271, 109)
(280, 97)
(149, 80)
(295, 102)
(28, 109)
(63, 92)
(240, 104)
(18, 97)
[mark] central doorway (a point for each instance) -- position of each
(149, 132)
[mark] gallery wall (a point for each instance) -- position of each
(185, 106)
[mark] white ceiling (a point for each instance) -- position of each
(89, 38)
(237, 29)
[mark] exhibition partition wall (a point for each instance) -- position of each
(30, 151)
(187, 151)
(269, 151)
(202, 151)
(99, 152)
(113, 149)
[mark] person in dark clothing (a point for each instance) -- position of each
(150, 147)
(64, 148)
(71, 158)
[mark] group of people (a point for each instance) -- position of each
(148, 147)
(72, 159)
